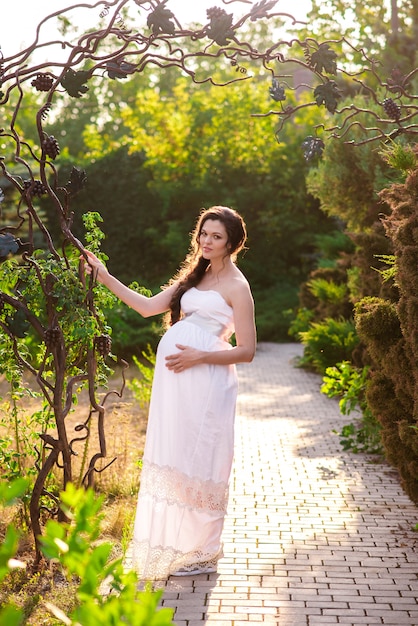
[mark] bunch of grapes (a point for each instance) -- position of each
(392, 109)
(215, 12)
(2, 302)
(312, 147)
(37, 187)
(42, 82)
(51, 147)
(277, 91)
(52, 337)
(103, 344)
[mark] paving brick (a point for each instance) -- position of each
(314, 535)
(354, 620)
(320, 620)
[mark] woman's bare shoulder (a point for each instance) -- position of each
(239, 285)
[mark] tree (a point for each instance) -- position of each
(356, 181)
(387, 31)
(189, 147)
(346, 61)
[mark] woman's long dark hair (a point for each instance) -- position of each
(194, 266)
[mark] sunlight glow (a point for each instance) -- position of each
(18, 30)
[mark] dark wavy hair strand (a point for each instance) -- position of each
(194, 266)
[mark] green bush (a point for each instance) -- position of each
(141, 387)
(328, 290)
(106, 593)
(326, 294)
(391, 393)
(10, 614)
(330, 246)
(349, 383)
(131, 332)
(275, 310)
(328, 342)
(77, 547)
(301, 323)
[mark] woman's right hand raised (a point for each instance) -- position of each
(93, 265)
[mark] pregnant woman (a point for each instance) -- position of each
(190, 436)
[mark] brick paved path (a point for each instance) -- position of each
(314, 535)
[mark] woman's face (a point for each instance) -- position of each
(213, 240)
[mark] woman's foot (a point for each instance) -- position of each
(194, 570)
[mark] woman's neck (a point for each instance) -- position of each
(220, 267)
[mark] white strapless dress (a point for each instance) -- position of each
(189, 447)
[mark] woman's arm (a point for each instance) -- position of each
(145, 306)
(245, 334)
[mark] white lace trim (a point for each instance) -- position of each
(167, 484)
(159, 562)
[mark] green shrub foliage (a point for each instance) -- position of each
(141, 387)
(326, 293)
(349, 383)
(106, 593)
(328, 342)
(10, 492)
(389, 331)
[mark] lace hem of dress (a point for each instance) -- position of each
(167, 484)
(160, 562)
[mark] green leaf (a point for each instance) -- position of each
(11, 616)
(18, 323)
(53, 531)
(10, 492)
(8, 549)
(94, 568)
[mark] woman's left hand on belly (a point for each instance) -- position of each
(185, 358)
